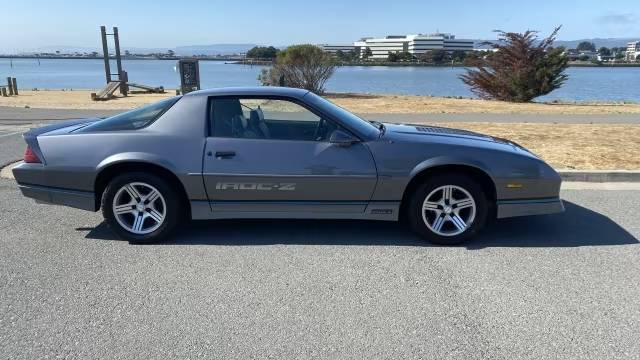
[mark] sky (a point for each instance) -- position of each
(34, 24)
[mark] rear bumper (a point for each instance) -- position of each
(30, 179)
(526, 207)
(76, 199)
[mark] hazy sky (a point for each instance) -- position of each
(145, 23)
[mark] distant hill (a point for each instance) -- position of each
(572, 44)
(608, 42)
(213, 49)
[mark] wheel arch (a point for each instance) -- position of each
(474, 172)
(108, 172)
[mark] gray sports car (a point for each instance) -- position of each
(271, 152)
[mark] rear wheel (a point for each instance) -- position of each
(140, 208)
(448, 209)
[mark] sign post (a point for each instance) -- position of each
(189, 70)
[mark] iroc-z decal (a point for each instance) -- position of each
(256, 186)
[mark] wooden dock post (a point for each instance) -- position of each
(3, 91)
(14, 84)
(9, 86)
(105, 53)
(116, 42)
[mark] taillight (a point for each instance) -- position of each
(30, 156)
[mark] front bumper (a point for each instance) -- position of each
(526, 207)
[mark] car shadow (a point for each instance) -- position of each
(577, 226)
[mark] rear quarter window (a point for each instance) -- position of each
(133, 119)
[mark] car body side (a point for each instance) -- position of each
(74, 164)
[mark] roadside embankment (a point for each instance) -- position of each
(358, 103)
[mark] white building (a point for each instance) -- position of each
(633, 51)
(414, 44)
(335, 48)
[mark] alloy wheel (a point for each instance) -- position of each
(448, 210)
(139, 208)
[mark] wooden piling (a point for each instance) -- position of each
(14, 84)
(105, 52)
(9, 86)
(3, 91)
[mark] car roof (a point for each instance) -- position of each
(252, 91)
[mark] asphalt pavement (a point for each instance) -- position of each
(551, 287)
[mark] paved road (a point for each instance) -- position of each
(562, 286)
(552, 287)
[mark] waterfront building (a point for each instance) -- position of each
(335, 48)
(414, 44)
(633, 51)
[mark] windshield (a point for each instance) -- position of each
(350, 120)
(134, 119)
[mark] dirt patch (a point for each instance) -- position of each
(571, 146)
(358, 103)
(6, 172)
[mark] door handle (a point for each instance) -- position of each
(225, 154)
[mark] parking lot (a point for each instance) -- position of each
(561, 286)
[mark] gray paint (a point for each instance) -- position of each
(364, 181)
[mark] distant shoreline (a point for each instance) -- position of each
(240, 61)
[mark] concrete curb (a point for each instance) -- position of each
(600, 175)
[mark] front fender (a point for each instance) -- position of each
(448, 160)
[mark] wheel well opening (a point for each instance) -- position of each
(107, 174)
(479, 176)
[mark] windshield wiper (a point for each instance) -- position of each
(380, 126)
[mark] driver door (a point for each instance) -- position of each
(272, 155)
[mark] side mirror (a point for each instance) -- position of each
(342, 138)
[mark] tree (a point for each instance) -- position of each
(459, 56)
(604, 51)
(393, 56)
(302, 66)
(367, 53)
(584, 58)
(521, 69)
(586, 46)
(262, 52)
(620, 56)
(434, 57)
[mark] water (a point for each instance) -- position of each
(584, 84)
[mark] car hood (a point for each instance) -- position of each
(410, 131)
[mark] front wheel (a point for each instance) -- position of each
(448, 209)
(140, 207)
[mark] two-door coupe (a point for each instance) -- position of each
(273, 152)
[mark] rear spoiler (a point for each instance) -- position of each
(31, 136)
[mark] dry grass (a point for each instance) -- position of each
(402, 104)
(359, 103)
(571, 146)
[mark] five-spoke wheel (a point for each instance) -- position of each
(140, 207)
(448, 209)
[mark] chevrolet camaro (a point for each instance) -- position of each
(273, 152)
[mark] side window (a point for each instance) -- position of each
(254, 118)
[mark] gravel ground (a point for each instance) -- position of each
(548, 287)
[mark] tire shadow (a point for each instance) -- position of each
(577, 226)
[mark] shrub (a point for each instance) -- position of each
(302, 66)
(521, 69)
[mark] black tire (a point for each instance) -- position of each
(172, 210)
(415, 208)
